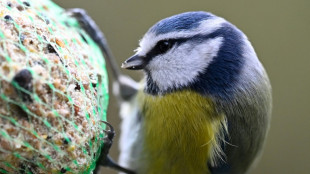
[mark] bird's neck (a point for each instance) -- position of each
(180, 132)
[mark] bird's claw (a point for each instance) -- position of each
(104, 158)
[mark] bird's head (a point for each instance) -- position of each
(192, 50)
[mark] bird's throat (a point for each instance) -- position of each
(180, 132)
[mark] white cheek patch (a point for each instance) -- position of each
(181, 65)
(206, 27)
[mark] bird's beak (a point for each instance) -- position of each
(135, 62)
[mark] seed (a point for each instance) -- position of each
(63, 170)
(9, 4)
(45, 7)
(76, 109)
(24, 80)
(66, 140)
(22, 38)
(47, 21)
(71, 148)
(8, 18)
(51, 49)
(60, 43)
(20, 8)
(77, 87)
(44, 136)
(26, 3)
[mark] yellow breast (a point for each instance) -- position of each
(180, 132)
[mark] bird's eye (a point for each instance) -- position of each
(164, 45)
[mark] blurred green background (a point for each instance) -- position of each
(280, 33)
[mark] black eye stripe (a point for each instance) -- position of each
(155, 51)
(163, 46)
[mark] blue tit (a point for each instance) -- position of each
(204, 105)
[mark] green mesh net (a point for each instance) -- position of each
(53, 91)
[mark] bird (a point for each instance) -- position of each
(204, 104)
